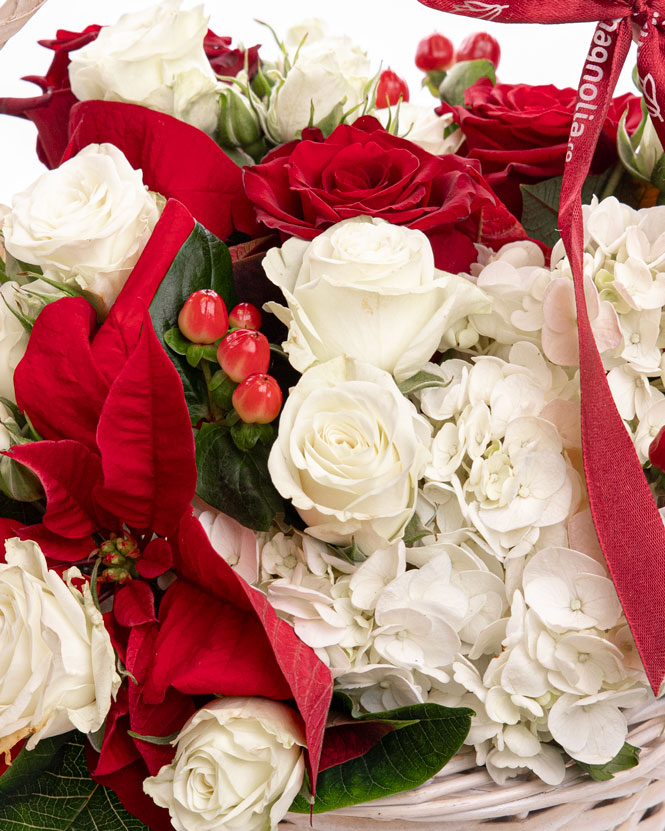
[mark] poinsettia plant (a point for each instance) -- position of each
(293, 488)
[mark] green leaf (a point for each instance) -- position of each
(50, 788)
(463, 75)
(153, 739)
(425, 739)
(234, 481)
(540, 205)
(194, 354)
(627, 757)
(176, 341)
(421, 381)
(203, 262)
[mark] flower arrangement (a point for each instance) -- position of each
(297, 466)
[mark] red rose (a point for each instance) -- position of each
(519, 133)
(50, 111)
(306, 186)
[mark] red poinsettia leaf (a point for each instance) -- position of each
(57, 383)
(117, 634)
(127, 784)
(344, 742)
(145, 438)
(57, 548)
(178, 160)
(309, 679)
(134, 604)
(68, 472)
(118, 337)
(149, 718)
(118, 749)
(206, 645)
(156, 558)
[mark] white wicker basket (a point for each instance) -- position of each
(464, 798)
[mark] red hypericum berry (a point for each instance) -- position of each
(258, 399)
(203, 319)
(657, 450)
(390, 89)
(245, 316)
(479, 46)
(435, 53)
(243, 353)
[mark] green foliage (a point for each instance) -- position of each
(425, 738)
(50, 788)
(203, 262)
(462, 76)
(626, 758)
(236, 481)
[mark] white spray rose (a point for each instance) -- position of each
(153, 57)
(57, 665)
(85, 223)
(349, 453)
(330, 77)
(367, 289)
(238, 766)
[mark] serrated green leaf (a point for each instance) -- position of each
(540, 205)
(463, 75)
(52, 789)
(421, 381)
(203, 262)
(626, 758)
(426, 738)
(234, 481)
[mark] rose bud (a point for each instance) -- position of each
(203, 319)
(391, 89)
(434, 53)
(657, 450)
(245, 316)
(243, 353)
(258, 399)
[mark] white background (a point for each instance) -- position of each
(388, 29)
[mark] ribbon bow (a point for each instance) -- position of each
(629, 527)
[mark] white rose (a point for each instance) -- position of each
(153, 57)
(367, 289)
(25, 300)
(57, 665)
(349, 453)
(422, 126)
(238, 766)
(85, 223)
(330, 77)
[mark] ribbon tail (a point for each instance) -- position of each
(629, 527)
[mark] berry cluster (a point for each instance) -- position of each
(436, 53)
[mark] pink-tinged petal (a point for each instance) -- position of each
(69, 473)
(308, 678)
(178, 160)
(134, 604)
(57, 383)
(155, 559)
(146, 441)
(57, 548)
(606, 328)
(120, 333)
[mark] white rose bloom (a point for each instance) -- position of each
(422, 126)
(330, 77)
(349, 453)
(57, 665)
(238, 766)
(85, 223)
(153, 57)
(367, 289)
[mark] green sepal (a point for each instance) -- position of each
(194, 354)
(421, 381)
(176, 341)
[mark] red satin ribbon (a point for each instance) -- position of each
(627, 521)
